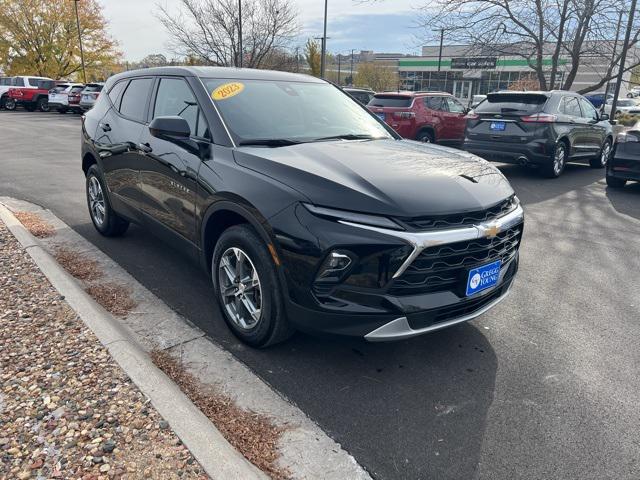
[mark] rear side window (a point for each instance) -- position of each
(434, 103)
(570, 106)
(176, 98)
(506, 103)
(134, 99)
(34, 81)
(46, 84)
(116, 91)
(395, 101)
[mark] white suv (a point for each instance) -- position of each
(59, 96)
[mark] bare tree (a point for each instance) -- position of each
(555, 37)
(208, 30)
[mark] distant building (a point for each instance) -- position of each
(465, 73)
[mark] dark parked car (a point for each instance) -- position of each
(90, 94)
(431, 117)
(306, 210)
(362, 95)
(543, 129)
(624, 164)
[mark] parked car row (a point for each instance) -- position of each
(541, 129)
(44, 94)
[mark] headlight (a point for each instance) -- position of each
(353, 217)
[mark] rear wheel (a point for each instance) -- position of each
(104, 218)
(62, 110)
(425, 136)
(43, 104)
(603, 158)
(614, 182)
(10, 104)
(555, 168)
(248, 289)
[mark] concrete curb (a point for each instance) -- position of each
(216, 456)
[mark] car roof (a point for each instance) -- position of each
(231, 73)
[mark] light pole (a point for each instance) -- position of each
(613, 56)
(440, 51)
(84, 73)
(339, 69)
(623, 57)
(351, 74)
(323, 65)
(239, 62)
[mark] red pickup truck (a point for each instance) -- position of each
(29, 97)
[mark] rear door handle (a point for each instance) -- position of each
(105, 127)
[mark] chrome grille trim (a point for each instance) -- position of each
(422, 240)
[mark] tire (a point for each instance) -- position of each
(425, 136)
(241, 244)
(603, 158)
(106, 221)
(614, 182)
(62, 110)
(10, 104)
(558, 161)
(43, 104)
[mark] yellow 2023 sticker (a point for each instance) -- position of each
(227, 90)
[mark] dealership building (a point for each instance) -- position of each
(464, 74)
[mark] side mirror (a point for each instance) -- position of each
(604, 116)
(172, 127)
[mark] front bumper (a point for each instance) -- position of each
(377, 309)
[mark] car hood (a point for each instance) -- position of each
(385, 177)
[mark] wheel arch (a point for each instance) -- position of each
(427, 128)
(87, 160)
(222, 215)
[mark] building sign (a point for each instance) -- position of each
(474, 63)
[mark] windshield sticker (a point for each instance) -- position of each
(227, 90)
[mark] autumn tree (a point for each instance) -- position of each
(376, 76)
(41, 38)
(209, 30)
(312, 55)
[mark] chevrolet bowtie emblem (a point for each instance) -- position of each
(491, 231)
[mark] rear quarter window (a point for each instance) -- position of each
(394, 101)
(520, 104)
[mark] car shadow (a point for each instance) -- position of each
(626, 200)
(411, 409)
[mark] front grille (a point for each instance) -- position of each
(460, 219)
(445, 267)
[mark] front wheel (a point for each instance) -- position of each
(10, 104)
(555, 167)
(248, 289)
(603, 158)
(104, 218)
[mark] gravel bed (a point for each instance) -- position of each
(67, 410)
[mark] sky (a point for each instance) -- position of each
(382, 26)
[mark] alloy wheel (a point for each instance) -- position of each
(559, 159)
(606, 153)
(96, 201)
(240, 288)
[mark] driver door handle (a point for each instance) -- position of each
(105, 127)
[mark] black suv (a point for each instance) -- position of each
(306, 210)
(544, 129)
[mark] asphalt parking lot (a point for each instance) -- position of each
(544, 386)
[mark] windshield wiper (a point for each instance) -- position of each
(348, 136)
(270, 142)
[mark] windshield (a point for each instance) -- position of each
(522, 104)
(290, 112)
(394, 101)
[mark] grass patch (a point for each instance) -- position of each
(32, 222)
(253, 435)
(78, 265)
(114, 298)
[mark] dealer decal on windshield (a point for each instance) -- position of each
(227, 90)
